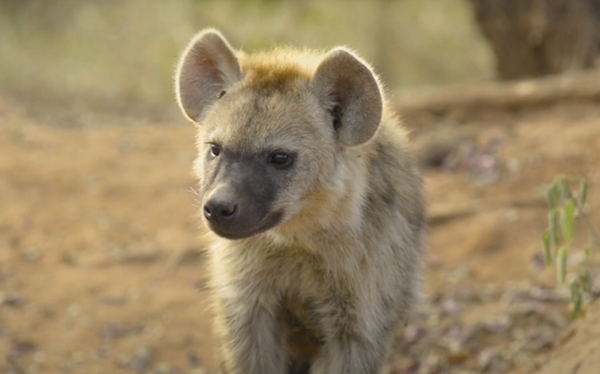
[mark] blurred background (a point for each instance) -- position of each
(128, 48)
(101, 250)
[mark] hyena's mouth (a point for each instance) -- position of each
(234, 232)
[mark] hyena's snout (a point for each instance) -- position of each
(221, 208)
(238, 212)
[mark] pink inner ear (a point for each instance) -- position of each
(209, 66)
(206, 67)
(209, 70)
(207, 62)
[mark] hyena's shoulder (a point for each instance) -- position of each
(394, 181)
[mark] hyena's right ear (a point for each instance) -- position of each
(207, 67)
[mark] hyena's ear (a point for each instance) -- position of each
(348, 88)
(207, 67)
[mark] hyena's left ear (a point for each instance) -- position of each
(348, 88)
(207, 67)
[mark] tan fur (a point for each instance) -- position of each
(327, 285)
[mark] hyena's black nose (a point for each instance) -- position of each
(220, 211)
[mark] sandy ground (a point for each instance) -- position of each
(101, 267)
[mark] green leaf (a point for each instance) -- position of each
(581, 197)
(574, 288)
(547, 248)
(576, 299)
(561, 264)
(552, 226)
(564, 192)
(587, 284)
(577, 307)
(553, 196)
(568, 220)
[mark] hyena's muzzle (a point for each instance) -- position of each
(240, 199)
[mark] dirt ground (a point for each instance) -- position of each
(101, 267)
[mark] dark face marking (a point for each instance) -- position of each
(240, 192)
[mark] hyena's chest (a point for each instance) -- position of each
(305, 283)
(302, 325)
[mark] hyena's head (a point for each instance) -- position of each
(271, 127)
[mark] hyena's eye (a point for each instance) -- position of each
(215, 150)
(221, 94)
(280, 160)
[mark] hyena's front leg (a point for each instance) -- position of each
(351, 355)
(355, 343)
(251, 338)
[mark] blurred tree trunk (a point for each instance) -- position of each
(533, 38)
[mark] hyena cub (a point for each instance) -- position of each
(313, 202)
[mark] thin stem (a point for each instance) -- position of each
(588, 222)
(590, 226)
(586, 218)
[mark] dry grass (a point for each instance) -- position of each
(125, 50)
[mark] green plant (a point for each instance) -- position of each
(565, 207)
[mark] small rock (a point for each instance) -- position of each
(32, 254)
(22, 348)
(431, 364)
(39, 357)
(141, 360)
(114, 301)
(450, 307)
(485, 358)
(193, 360)
(70, 259)
(498, 325)
(11, 299)
(162, 368)
(413, 333)
(113, 331)
(74, 310)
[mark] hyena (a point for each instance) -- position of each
(313, 203)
